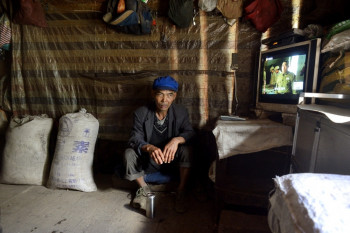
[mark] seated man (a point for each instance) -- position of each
(158, 139)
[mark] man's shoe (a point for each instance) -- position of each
(140, 199)
(180, 203)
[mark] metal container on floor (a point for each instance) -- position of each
(150, 205)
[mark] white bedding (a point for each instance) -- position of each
(310, 203)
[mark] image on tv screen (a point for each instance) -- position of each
(283, 74)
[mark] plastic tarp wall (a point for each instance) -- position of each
(80, 62)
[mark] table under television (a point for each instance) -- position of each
(250, 154)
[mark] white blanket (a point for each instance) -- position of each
(309, 202)
(242, 137)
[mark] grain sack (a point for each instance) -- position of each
(25, 157)
(71, 167)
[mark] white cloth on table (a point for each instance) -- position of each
(242, 137)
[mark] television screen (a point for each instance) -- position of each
(285, 72)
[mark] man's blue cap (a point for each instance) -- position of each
(165, 83)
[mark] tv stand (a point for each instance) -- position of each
(249, 154)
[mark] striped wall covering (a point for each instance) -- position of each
(80, 62)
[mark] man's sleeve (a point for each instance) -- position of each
(137, 139)
(186, 129)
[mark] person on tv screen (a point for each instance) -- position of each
(273, 74)
(284, 80)
(269, 80)
(264, 81)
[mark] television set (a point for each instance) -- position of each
(284, 72)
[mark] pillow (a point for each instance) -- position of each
(340, 41)
(30, 12)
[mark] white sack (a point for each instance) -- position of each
(73, 159)
(338, 42)
(207, 5)
(25, 157)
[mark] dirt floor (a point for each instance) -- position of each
(27, 208)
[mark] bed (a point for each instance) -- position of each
(310, 202)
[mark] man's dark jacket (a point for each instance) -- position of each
(179, 125)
